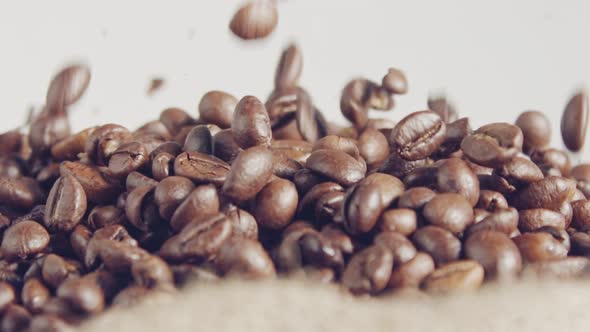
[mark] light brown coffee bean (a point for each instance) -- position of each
(459, 276)
(368, 271)
(498, 255)
(411, 274)
(276, 204)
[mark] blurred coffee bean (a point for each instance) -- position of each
(255, 20)
(24, 239)
(498, 255)
(395, 82)
(402, 249)
(289, 68)
(438, 243)
(459, 276)
(404, 221)
(67, 87)
(217, 107)
(536, 130)
(411, 274)
(369, 270)
(540, 246)
(249, 173)
(574, 121)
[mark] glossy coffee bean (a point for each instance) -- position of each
(96, 183)
(201, 168)
(34, 295)
(415, 198)
(104, 215)
(354, 101)
(456, 177)
(395, 81)
(105, 140)
(459, 276)
(411, 274)
(251, 124)
(83, 294)
(201, 203)
(111, 232)
(493, 144)
(243, 223)
(438, 243)
(199, 139)
(368, 271)
(217, 107)
(574, 121)
(245, 258)
(141, 209)
(418, 135)
(338, 238)
(532, 219)
(23, 240)
(491, 200)
(548, 193)
(536, 130)
(404, 221)
(249, 173)
(402, 249)
(255, 20)
(128, 158)
(225, 146)
(309, 200)
(373, 147)
(521, 171)
(328, 208)
(21, 193)
(450, 211)
(539, 246)
(66, 204)
(170, 193)
(498, 255)
(276, 204)
(337, 166)
(56, 270)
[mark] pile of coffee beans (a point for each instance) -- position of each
(105, 216)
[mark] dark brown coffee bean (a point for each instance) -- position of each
(459, 276)
(15, 318)
(540, 246)
(200, 239)
(288, 254)
(366, 201)
(136, 180)
(56, 270)
(104, 215)
(118, 256)
(96, 184)
(249, 173)
(520, 171)
(308, 202)
(243, 223)
(11, 142)
(251, 124)
(21, 193)
(34, 295)
(83, 294)
(401, 220)
(444, 108)
(450, 211)
(369, 270)
(456, 132)
(574, 121)
(336, 165)
(438, 243)
(402, 249)
(7, 295)
(418, 135)
(501, 220)
(111, 232)
(355, 103)
(498, 255)
(128, 158)
(162, 166)
(170, 193)
(289, 68)
(245, 258)
(395, 82)
(24, 239)
(581, 220)
(225, 146)
(532, 219)
(217, 107)
(493, 144)
(79, 239)
(328, 208)
(496, 183)
(70, 147)
(399, 167)
(338, 238)
(536, 130)
(276, 204)
(67, 87)
(201, 203)
(373, 147)
(105, 140)
(285, 167)
(548, 193)
(455, 176)
(175, 119)
(567, 268)
(201, 168)
(415, 198)
(199, 139)
(319, 252)
(141, 209)
(411, 274)
(152, 272)
(491, 200)
(549, 159)
(255, 20)
(66, 204)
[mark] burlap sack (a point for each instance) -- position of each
(291, 305)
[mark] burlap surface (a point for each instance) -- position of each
(303, 306)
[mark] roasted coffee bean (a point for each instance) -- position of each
(338, 238)
(424, 176)
(548, 193)
(365, 202)
(118, 256)
(96, 184)
(288, 254)
(456, 132)
(411, 274)
(395, 82)
(201, 168)
(46, 130)
(373, 147)
(67, 87)
(152, 272)
(79, 239)
(255, 20)
(404, 221)
(282, 108)
(444, 108)
(456, 177)
(141, 209)
(276, 204)
(201, 203)
(292, 149)
(104, 215)
(498, 255)
(24, 239)
(520, 171)
(200, 239)
(539, 246)
(56, 270)
(532, 219)
(15, 318)
(66, 204)
(369, 270)
(402, 249)
(418, 135)
(175, 119)
(170, 193)
(549, 159)
(491, 200)
(305, 179)
(336, 165)
(581, 220)
(128, 158)
(450, 211)
(199, 139)
(567, 268)
(493, 144)
(249, 173)
(105, 140)
(7, 295)
(574, 121)
(285, 167)
(49, 323)
(560, 235)
(536, 130)
(501, 220)
(83, 294)
(11, 142)
(251, 125)
(399, 167)
(333, 142)
(459, 276)
(353, 102)
(246, 258)
(111, 232)
(225, 146)
(70, 147)
(21, 193)
(438, 243)
(415, 198)
(319, 252)
(496, 183)
(308, 202)
(243, 223)
(580, 172)
(328, 208)
(162, 166)
(136, 180)
(217, 107)
(34, 295)
(289, 68)
(155, 128)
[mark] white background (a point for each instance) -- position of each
(494, 58)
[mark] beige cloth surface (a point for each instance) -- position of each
(292, 305)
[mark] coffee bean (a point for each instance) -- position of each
(276, 204)
(292, 149)
(328, 208)
(308, 202)
(255, 20)
(404, 221)
(289, 68)
(170, 193)
(520, 171)
(532, 219)
(496, 183)
(155, 128)
(319, 252)
(96, 184)
(455, 176)
(399, 167)
(493, 144)
(46, 130)
(21, 193)
(251, 125)
(566, 268)
(249, 173)
(305, 179)
(365, 202)
(540, 246)
(306, 118)
(459, 276)
(82, 294)
(580, 172)
(201, 168)
(7, 295)
(199, 139)
(15, 318)
(67, 87)
(402, 249)
(118, 256)
(34, 295)
(411, 274)
(70, 147)
(353, 102)
(536, 130)
(548, 193)
(491, 200)
(373, 147)
(333, 142)
(395, 82)
(501, 220)
(336, 165)
(66, 204)
(104, 215)
(368, 271)
(450, 211)
(415, 198)
(282, 106)
(217, 107)
(56, 270)
(111, 232)
(285, 167)
(201, 203)
(338, 238)
(136, 180)
(288, 255)
(456, 132)
(498, 255)
(437, 242)
(548, 159)
(574, 121)
(225, 146)
(444, 108)
(174, 119)
(152, 272)
(418, 135)
(24, 239)
(246, 258)
(105, 140)
(141, 209)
